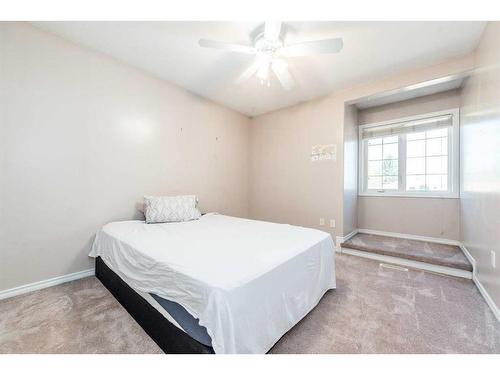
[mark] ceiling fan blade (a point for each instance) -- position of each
(248, 73)
(226, 46)
(280, 68)
(272, 30)
(312, 48)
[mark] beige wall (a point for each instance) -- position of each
(84, 137)
(285, 186)
(350, 210)
(430, 217)
(480, 161)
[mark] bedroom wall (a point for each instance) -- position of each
(429, 217)
(480, 161)
(285, 186)
(84, 137)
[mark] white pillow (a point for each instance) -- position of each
(170, 209)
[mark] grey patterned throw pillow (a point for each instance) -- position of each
(170, 209)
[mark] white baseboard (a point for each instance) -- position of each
(341, 239)
(45, 283)
(487, 297)
(410, 263)
(493, 307)
(469, 257)
(444, 241)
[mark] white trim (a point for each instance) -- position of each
(444, 241)
(410, 195)
(487, 297)
(339, 240)
(492, 305)
(45, 283)
(410, 263)
(469, 257)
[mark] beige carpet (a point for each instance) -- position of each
(374, 310)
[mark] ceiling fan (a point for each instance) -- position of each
(271, 53)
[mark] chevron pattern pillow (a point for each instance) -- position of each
(170, 209)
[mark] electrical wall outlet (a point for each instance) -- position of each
(321, 221)
(332, 223)
(493, 259)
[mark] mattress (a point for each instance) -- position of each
(178, 316)
(248, 282)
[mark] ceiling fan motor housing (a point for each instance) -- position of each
(264, 45)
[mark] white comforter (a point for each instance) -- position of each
(247, 281)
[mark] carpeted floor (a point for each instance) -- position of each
(375, 309)
(422, 251)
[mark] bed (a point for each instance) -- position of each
(218, 284)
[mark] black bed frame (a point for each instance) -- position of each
(168, 337)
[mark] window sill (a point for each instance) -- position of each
(403, 195)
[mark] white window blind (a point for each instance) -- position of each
(398, 128)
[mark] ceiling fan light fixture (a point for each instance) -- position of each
(270, 50)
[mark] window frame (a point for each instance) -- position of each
(453, 160)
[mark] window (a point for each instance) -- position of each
(415, 156)
(383, 163)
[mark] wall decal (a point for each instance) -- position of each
(324, 152)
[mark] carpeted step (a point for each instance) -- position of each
(421, 251)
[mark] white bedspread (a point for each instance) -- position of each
(247, 281)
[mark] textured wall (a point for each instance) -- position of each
(85, 137)
(480, 161)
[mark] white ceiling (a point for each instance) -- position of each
(371, 50)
